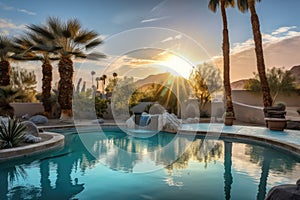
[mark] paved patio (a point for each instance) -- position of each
(287, 139)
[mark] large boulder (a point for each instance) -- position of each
(130, 122)
(156, 109)
(31, 128)
(31, 139)
(31, 133)
(285, 192)
(39, 119)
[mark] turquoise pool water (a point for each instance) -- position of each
(230, 170)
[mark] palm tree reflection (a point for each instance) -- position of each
(76, 154)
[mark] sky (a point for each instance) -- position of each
(143, 37)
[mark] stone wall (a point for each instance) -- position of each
(27, 108)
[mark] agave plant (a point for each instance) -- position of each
(11, 134)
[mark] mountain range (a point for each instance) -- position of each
(163, 78)
(239, 85)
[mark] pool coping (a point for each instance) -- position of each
(265, 136)
(291, 148)
(56, 141)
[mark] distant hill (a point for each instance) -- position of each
(239, 85)
(296, 73)
(162, 79)
(157, 78)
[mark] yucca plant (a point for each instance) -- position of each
(11, 134)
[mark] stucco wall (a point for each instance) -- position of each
(27, 108)
(255, 99)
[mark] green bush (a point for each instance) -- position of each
(11, 134)
(204, 114)
(281, 105)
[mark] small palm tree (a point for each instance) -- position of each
(213, 4)
(244, 6)
(74, 43)
(6, 51)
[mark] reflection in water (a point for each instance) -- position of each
(38, 179)
(227, 166)
(265, 167)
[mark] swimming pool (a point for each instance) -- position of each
(231, 169)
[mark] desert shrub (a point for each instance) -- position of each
(11, 133)
(204, 114)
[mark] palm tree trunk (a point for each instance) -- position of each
(263, 181)
(228, 179)
(65, 87)
(226, 60)
(4, 73)
(46, 87)
(267, 99)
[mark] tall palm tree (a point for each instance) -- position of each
(104, 77)
(37, 47)
(6, 50)
(97, 82)
(213, 4)
(115, 75)
(244, 6)
(93, 73)
(74, 43)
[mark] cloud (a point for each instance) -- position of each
(283, 30)
(280, 50)
(154, 19)
(5, 7)
(158, 7)
(156, 13)
(176, 37)
(7, 24)
(26, 12)
(280, 34)
(7, 27)
(10, 8)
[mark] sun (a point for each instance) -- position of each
(177, 66)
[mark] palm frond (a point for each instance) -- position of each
(243, 5)
(36, 38)
(213, 4)
(55, 25)
(85, 36)
(41, 30)
(27, 56)
(229, 3)
(73, 26)
(93, 44)
(95, 56)
(23, 42)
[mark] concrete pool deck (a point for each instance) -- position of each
(287, 139)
